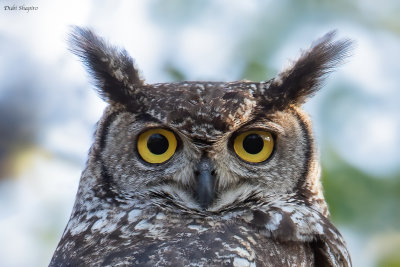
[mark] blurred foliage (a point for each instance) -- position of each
(256, 71)
(174, 73)
(17, 122)
(360, 200)
(392, 260)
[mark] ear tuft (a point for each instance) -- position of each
(303, 78)
(112, 68)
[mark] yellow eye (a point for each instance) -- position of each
(156, 145)
(254, 146)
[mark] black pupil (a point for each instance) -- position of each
(157, 144)
(253, 143)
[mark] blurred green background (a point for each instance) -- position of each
(48, 110)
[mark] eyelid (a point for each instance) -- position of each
(266, 126)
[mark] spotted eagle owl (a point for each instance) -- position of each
(202, 173)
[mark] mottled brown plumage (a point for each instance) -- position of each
(205, 205)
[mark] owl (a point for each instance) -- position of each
(202, 173)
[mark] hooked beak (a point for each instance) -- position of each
(205, 178)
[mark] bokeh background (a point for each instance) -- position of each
(48, 109)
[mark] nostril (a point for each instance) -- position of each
(213, 172)
(197, 173)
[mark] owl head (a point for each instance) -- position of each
(203, 147)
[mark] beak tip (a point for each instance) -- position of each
(205, 184)
(205, 204)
